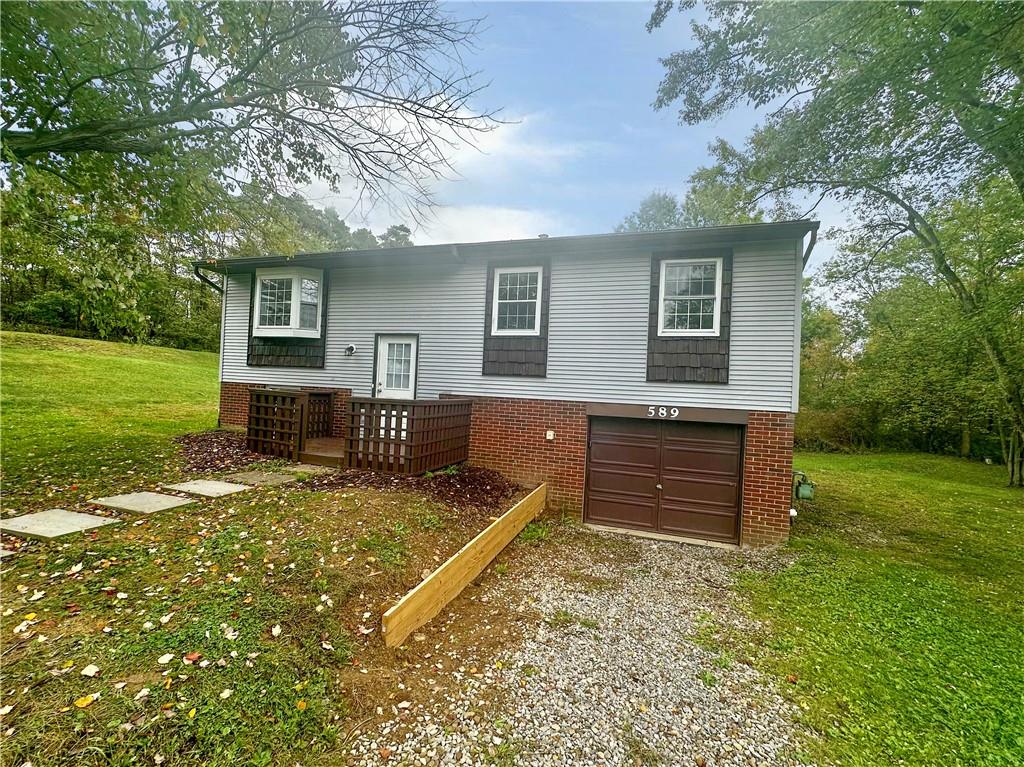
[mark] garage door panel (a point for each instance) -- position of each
(696, 461)
(622, 511)
(722, 525)
(700, 491)
(623, 453)
(623, 480)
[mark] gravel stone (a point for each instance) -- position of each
(619, 672)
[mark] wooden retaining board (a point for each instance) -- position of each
(446, 582)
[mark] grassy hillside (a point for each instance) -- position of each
(900, 625)
(95, 414)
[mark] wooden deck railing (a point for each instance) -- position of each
(407, 436)
(281, 420)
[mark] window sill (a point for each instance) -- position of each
(285, 333)
(689, 334)
(515, 333)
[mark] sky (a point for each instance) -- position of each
(580, 144)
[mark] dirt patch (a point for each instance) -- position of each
(469, 487)
(216, 451)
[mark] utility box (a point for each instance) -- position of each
(803, 490)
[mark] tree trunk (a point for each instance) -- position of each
(965, 440)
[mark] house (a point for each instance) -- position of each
(650, 378)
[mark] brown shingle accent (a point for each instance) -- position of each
(701, 359)
(517, 355)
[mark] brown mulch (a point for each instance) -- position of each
(216, 451)
(470, 487)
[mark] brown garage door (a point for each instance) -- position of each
(674, 477)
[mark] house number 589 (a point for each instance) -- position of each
(662, 412)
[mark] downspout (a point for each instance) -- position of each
(810, 245)
(197, 270)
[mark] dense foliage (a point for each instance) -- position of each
(84, 264)
(910, 114)
(138, 137)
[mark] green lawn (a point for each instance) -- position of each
(95, 414)
(900, 626)
(241, 630)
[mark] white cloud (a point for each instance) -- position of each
(517, 146)
(477, 223)
(470, 205)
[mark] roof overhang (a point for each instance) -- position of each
(577, 245)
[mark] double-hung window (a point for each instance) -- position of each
(288, 302)
(690, 297)
(516, 301)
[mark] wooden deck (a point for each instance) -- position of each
(395, 436)
(324, 451)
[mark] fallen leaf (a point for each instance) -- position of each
(36, 596)
(192, 657)
(276, 631)
(163, 660)
(90, 670)
(87, 700)
(385, 753)
(143, 693)
(192, 714)
(76, 568)
(5, 710)
(225, 694)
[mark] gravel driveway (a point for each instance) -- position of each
(615, 659)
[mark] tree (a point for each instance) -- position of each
(900, 110)
(102, 265)
(983, 245)
(713, 198)
(174, 95)
(658, 210)
(938, 86)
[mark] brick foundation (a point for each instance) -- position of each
(507, 435)
(234, 405)
(767, 478)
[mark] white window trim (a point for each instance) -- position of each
(494, 300)
(714, 330)
(292, 330)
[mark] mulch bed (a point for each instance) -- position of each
(469, 488)
(216, 451)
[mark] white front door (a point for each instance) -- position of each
(396, 367)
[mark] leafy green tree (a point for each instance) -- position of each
(900, 110)
(81, 263)
(175, 95)
(714, 197)
(657, 211)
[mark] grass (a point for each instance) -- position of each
(900, 624)
(95, 414)
(267, 603)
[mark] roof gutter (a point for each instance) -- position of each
(197, 270)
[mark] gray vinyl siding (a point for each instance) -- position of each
(597, 338)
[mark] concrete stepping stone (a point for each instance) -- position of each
(308, 468)
(53, 523)
(270, 478)
(211, 488)
(142, 503)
